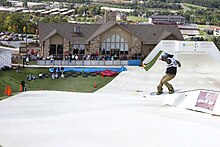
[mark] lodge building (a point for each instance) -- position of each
(104, 38)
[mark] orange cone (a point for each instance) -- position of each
(6, 90)
(9, 93)
(20, 88)
(94, 85)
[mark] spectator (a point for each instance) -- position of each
(62, 76)
(76, 57)
(51, 59)
(70, 58)
(18, 69)
(53, 76)
(23, 86)
(54, 70)
(27, 60)
(62, 69)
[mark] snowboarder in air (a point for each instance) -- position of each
(171, 71)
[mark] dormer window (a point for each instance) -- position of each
(76, 29)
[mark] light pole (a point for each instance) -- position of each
(26, 36)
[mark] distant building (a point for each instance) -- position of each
(121, 16)
(68, 12)
(189, 30)
(11, 9)
(36, 6)
(216, 30)
(5, 57)
(31, 5)
(117, 9)
(167, 19)
(105, 38)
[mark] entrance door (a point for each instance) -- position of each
(114, 52)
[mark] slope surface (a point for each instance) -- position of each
(198, 71)
(45, 119)
(116, 115)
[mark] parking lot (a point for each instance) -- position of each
(15, 39)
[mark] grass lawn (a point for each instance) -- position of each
(203, 26)
(73, 84)
(194, 6)
(137, 19)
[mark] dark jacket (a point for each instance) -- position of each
(171, 69)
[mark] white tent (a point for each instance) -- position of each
(5, 56)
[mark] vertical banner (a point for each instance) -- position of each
(206, 100)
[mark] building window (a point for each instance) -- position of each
(56, 50)
(114, 43)
(78, 49)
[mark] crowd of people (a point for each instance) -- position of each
(93, 56)
(58, 72)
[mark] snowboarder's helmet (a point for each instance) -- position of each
(164, 55)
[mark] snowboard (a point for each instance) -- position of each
(165, 92)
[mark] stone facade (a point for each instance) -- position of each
(46, 47)
(66, 45)
(135, 45)
(94, 45)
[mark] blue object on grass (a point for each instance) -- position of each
(89, 69)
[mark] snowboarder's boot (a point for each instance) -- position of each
(171, 90)
(159, 91)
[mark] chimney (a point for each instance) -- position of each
(109, 15)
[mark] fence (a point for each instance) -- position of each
(89, 62)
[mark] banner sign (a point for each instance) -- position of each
(207, 100)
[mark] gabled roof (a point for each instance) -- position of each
(104, 27)
(50, 35)
(164, 35)
(66, 30)
(188, 27)
(7, 49)
(148, 34)
(152, 34)
(168, 16)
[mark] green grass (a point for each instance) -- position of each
(137, 19)
(203, 26)
(202, 33)
(194, 6)
(71, 84)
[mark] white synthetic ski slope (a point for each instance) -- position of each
(63, 119)
(116, 115)
(198, 71)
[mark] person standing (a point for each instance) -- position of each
(170, 73)
(23, 84)
(27, 60)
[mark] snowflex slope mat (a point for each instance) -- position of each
(198, 71)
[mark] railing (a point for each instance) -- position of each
(89, 62)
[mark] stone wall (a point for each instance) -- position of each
(94, 45)
(66, 46)
(46, 47)
(135, 45)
